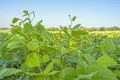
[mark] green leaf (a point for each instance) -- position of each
(17, 58)
(33, 60)
(76, 26)
(65, 31)
(15, 20)
(28, 28)
(8, 72)
(53, 73)
(7, 56)
(104, 74)
(72, 59)
(117, 73)
(16, 43)
(39, 28)
(74, 18)
(25, 13)
(82, 65)
(46, 35)
(50, 50)
(33, 45)
(45, 58)
(77, 34)
(16, 29)
(86, 77)
(68, 74)
(48, 68)
(105, 61)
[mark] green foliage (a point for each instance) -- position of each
(33, 45)
(68, 73)
(30, 52)
(105, 61)
(76, 26)
(8, 72)
(105, 74)
(16, 43)
(48, 68)
(32, 60)
(15, 20)
(28, 28)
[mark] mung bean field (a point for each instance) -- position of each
(30, 52)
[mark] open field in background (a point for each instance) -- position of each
(5, 31)
(102, 33)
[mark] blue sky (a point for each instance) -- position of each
(90, 13)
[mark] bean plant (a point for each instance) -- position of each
(30, 52)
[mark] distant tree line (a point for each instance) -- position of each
(4, 28)
(113, 28)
